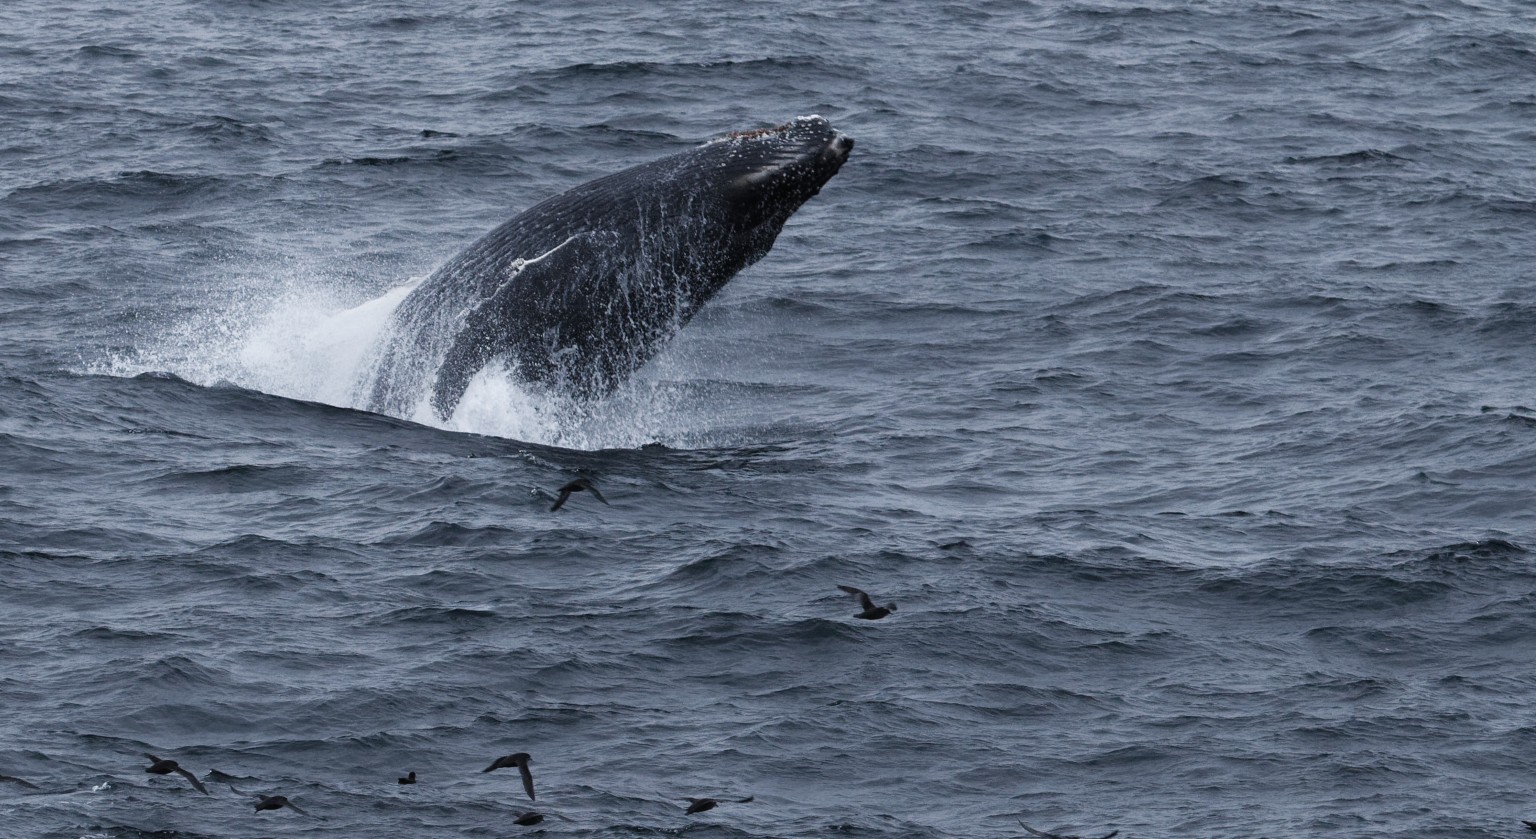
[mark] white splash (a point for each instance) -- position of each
(643, 411)
(304, 340)
(300, 341)
(304, 350)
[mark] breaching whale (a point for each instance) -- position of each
(579, 291)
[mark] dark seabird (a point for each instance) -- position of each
(166, 767)
(410, 778)
(871, 611)
(276, 802)
(10, 779)
(577, 486)
(1042, 833)
(528, 819)
(1529, 825)
(699, 805)
(520, 760)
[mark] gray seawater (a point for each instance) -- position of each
(1168, 363)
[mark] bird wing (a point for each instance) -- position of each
(559, 502)
(863, 598)
(1110, 834)
(193, 778)
(152, 757)
(747, 800)
(527, 774)
(595, 494)
(1034, 832)
(296, 808)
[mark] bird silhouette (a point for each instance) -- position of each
(166, 767)
(871, 611)
(699, 805)
(577, 486)
(276, 802)
(520, 760)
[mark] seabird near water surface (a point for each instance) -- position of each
(577, 486)
(871, 611)
(699, 805)
(166, 767)
(276, 802)
(520, 760)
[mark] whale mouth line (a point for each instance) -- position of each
(830, 151)
(833, 153)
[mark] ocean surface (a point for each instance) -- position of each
(1169, 364)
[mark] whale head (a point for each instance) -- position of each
(765, 175)
(770, 172)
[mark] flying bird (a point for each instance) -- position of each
(166, 767)
(520, 760)
(277, 802)
(577, 486)
(1041, 833)
(871, 611)
(699, 805)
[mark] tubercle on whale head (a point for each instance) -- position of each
(814, 125)
(799, 140)
(756, 132)
(798, 123)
